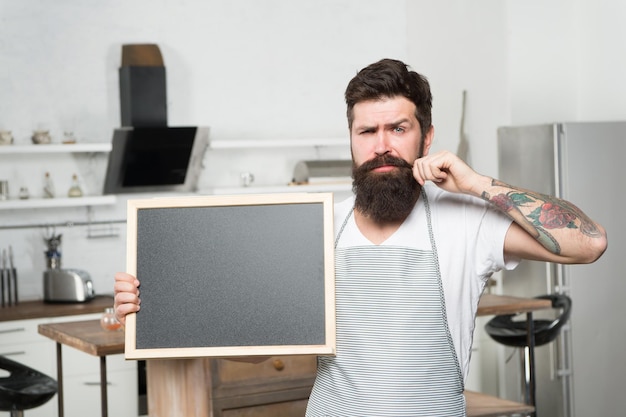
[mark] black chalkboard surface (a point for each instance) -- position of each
(232, 276)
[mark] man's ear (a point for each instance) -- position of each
(428, 140)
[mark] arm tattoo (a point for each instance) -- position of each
(537, 213)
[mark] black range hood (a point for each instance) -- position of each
(146, 154)
(153, 159)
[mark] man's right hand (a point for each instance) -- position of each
(126, 295)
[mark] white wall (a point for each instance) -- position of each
(566, 60)
(247, 69)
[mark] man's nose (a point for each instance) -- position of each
(382, 143)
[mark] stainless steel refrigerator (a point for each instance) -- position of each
(582, 373)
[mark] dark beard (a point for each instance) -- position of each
(387, 196)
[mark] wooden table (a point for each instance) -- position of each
(492, 304)
(89, 337)
(483, 405)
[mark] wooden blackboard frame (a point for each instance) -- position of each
(324, 313)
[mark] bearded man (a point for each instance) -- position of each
(412, 257)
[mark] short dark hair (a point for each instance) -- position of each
(390, 78)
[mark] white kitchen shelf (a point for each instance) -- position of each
(312, 188)
(277, 143)
(55, 148)
(33, 203)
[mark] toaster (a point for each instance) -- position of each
(67, 286)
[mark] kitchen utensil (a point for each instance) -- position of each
(67, 286)
(13, 275)
(322, 171)
(2, 275)
(53, 254)
(7, 276)
(4, 190)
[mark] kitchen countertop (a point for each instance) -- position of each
(39, 309)
(489, 304)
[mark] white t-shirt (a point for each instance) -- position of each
(469, 236)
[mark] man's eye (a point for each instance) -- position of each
(398, 129)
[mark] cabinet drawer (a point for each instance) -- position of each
(287, 409)
(39, 356)
(277, 367)
(82, 395)
(281, 403)
(20, 331)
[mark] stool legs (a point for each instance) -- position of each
(60, 379)
(525, 373)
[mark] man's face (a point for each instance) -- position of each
(386, 127)
(386, 140)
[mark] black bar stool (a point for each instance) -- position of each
(24, 388)
(507, 331)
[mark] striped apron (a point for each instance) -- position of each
(395, 355)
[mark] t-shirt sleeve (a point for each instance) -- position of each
(490, 250)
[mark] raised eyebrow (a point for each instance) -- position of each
(397, 123)
(366, 128)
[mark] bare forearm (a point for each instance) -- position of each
(564, 233)
(560, 227)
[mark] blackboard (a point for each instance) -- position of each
(229, 276)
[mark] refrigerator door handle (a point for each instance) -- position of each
(552, 287)
(561, 350)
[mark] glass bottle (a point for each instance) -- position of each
(108, 321)
(48, 186)
(75, 190)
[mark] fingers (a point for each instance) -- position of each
(431, 168)
(126, 299)
(450, 173)
(123, 309)
(124, 277)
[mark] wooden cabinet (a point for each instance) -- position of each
(278, 386)
(282, 409)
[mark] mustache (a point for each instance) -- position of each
(383, 160)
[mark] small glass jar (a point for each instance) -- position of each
(75, 190)
(108, 321)
(24, 194)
